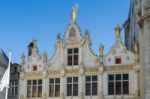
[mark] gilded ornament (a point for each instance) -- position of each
(74, 13)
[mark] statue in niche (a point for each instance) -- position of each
(72, 32)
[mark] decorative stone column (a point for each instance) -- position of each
(100, 83)
(44, 80)
(22, 85)
(137, 91)
(81, 82)
(62, 84)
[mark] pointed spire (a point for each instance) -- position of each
(23, 59)
(34, 42)
(45, 57)
(118, 31)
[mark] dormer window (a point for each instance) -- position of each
(34, 68)
(118, 60)
(73, 56)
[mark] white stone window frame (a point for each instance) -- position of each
(72, 55)
(37, 85)
(54, 95)
(121, 84)
(91, 84)
(72, 83)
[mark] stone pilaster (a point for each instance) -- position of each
(62, 96)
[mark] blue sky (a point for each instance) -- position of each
(21, 20)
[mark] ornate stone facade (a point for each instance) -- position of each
(74, 72)
(137, 32)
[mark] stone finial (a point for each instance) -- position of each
(101, 49)
(73, 13)
(117, 31)
(44, 57)
(23, 59)
(34, 42)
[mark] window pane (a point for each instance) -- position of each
(34, 82)
(69, 89)
(125, 87)
(34, 91)
(29, 82)
(111, 77)
(88, 89)
(57, 90)
(75, 79)
(57, 80)
(118, 88)
(70, 60)
(39, 91)
(51, 81)
(69, 51)
(118, 76)
(75, 50)
(94, 89)
(69, 79)
(75, 89)
(51, 90)
(125, 77)
(88, 78)
(111, 88)
(94, 78)
(75, 59)
(39, 82)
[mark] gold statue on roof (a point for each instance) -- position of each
(118, 30)
(74, 13)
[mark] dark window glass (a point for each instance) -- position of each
(57, 80)
(34, 68)
(69, 89)
(88, 78)
(39, 81)
(57, 90)
(75, 79)
(118, 77)
(125, 77)
(111, 77)
(111, 88)
(75, 59)
(34, 82)
(118, 88)
(94, 89)
(75, 89)
(125, 87)
(51, 81)
(75, 50)
(69, 80)
(94, 78)
(69, 51)
(70, 60)
(88, 89)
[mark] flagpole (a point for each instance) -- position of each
(6, 95)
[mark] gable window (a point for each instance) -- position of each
(91, 85)
(118, 84)
(73, 56)
(72, 86)
(34, 68)
(34, 88)
(13, 88)
(54, 87)
(118, 60)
